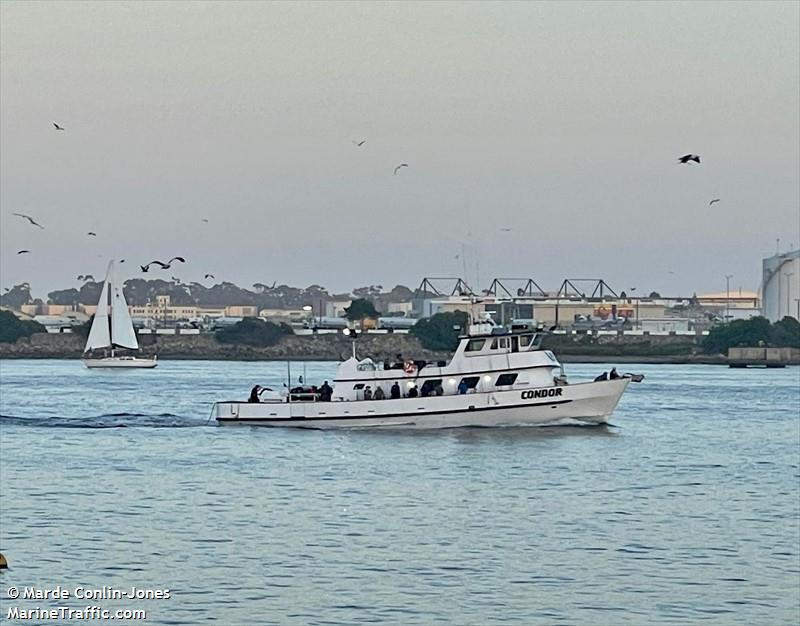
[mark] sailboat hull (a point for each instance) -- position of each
(127, 362)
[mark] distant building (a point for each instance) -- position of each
(780, 286)
(734, 305)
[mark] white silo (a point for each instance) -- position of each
(780, 286)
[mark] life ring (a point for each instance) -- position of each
(409, 367)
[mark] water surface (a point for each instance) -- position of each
(684, 512)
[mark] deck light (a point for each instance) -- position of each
(487, 378)
(451, 381)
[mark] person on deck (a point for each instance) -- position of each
(394, 392)
(325, 392)
(368, 393)
(413, 392)
(378, 395)
(463, 387)
(614, 374)
(254, 393)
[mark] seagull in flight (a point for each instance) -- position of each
(30, 219)
(145, 268)
(176, 258)
(209, 276)
(58, 127)
(24, 252)
(204, 220)
(713, 201)
(506, 230)
(360, 143)
(399, 166)
(91, 234)
(161, 264)
(689, 157)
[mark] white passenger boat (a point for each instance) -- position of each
(112, 329)
(496, 377)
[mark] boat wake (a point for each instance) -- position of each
(108, 420)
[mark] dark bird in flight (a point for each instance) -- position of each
(161, 264)
(204, 220)
(360, 143)
(91, 234)
(30, 219)
(86, 278)
(689, 157)
(506, 230)
(177, 258)
(399, 166)
(122, 260)
(209, 276)
(145, 268)
(57, 126)
(713, 201)
(24, 252)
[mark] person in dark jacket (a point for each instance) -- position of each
(325, 392)
(614, 374)
(394, 392)
(254, 393)
(603, 376)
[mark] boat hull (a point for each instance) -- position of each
(587, 403)
(121, 362)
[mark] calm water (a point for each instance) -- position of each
(685, 512)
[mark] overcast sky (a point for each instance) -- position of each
(561, 121)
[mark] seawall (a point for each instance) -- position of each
(334, 347)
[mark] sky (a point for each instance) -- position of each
(560, 121)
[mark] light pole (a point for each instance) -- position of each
(728, 296)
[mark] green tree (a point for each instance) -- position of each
(359, 309)
(441, 331)
(252, 331)
(786, 333)
(753, 332)
(12, 328)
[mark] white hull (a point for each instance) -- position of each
(121, 362)
(589, 403)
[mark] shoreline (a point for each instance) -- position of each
(336, 348)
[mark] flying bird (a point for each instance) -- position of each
(399, 166)
(161, 264)
(91, 234)
(24, 252)
(360, 143)
(713, 201)
(689, 157)
(122, 260)
(506, 230)
(177, 258)
(204, 220)
(145, 268)
(86, 278)
(30, 219)
(57, 126)
(209, 276)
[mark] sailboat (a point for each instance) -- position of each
(112, 329)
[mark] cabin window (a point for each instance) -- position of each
(475, 345)
(472, 381)
(504, 343)
(525, 340)
(494, 344)
(358, 386)
(429, 387)
(506, 379)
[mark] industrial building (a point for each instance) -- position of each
(780, 286)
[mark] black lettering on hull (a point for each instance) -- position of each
(541, 393)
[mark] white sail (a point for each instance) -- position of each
(99, 334)
(122, 333)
